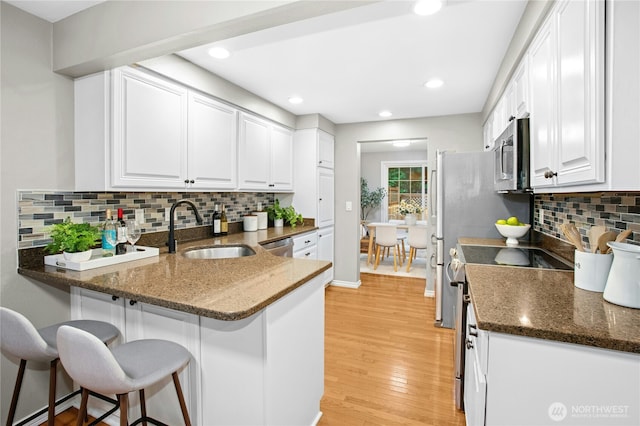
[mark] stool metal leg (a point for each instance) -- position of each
(183, 406)
(16, 392)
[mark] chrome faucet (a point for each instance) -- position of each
(172, 240)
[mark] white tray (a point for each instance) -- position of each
(98, 261)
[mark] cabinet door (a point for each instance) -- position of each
(488, 134)
(281, 166)
(580, 92)
(325, 197)
(253, 153)
(212, 144)
(541, 122)
(325, 150)
(93, 305)
(145, 321)
(149, 131)
(325, 244)
(521, 89)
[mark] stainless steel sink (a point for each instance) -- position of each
(219, 252)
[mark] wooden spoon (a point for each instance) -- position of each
(594, 234)
(573, 235)
(604, 239)
(620, 238)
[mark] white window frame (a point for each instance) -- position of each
(384, 176)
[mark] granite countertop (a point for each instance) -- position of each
(225, 289)
(545, 304)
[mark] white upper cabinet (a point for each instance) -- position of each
(520, 84)
(211, 144)
(325, 149)
(567, 96)
(149, 131)
(265, 155)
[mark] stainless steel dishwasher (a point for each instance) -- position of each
(282, 247)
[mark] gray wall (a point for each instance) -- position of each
(370, 169)
(37, 152)
(456, 132)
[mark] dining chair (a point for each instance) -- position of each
(387, 237)
(418, 239)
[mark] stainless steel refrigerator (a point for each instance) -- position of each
(464, 204)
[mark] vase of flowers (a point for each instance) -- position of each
(410, 209)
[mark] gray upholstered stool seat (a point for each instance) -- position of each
(127, 368)
(22, 340)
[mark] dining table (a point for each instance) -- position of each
(372, 234)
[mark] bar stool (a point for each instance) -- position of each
(129, 367)
(386, 236)
(417, 240)
(22, 340)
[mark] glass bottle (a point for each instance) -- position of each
(121, 247)
(109, 236)
(216, 221)
(224, 225)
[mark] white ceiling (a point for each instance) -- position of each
(53, 10)
(349, 66)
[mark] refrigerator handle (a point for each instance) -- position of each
(432, 180)
(432, 262)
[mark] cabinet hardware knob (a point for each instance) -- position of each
(320, 162)
(307, 254)
(319, 199)
(114, 298)
(511, 118)
(192, 181)
(469, 344)
(473, 330)
(549, 174)
(307, 242)
(271, 185)
(132, 302)
(186, 181)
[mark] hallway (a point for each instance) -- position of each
(385, 362)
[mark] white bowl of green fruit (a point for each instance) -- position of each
(512, 229)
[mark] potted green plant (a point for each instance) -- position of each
(74, 240)
(369, 200)
(280, 214)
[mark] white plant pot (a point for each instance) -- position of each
(278, 223)
(77, 257)
(410, 219)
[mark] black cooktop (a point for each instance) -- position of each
(512, 256)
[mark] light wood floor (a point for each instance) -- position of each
(385, 362)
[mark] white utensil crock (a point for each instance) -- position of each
(263, 219)
(623, 283)
(250, 223)
(591, 270)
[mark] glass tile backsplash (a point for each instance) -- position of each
(37, 210)
(615, 210)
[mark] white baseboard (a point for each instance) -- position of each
(347, 284)
(429, 293)
(59, 409)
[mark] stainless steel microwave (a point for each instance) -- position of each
(511, 158)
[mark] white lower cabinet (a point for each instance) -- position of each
(267, 369)
(520, 380)
(305, 246)
(326, 247)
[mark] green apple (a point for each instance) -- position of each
(501, 222)
(513, 221)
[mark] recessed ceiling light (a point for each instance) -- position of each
(401, 144)
(296, 100)
(434, 83)
(427, 7)
(385, 114)
(219, 52)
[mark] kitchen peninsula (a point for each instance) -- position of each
(254, 326)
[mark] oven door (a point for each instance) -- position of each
(505, 163)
